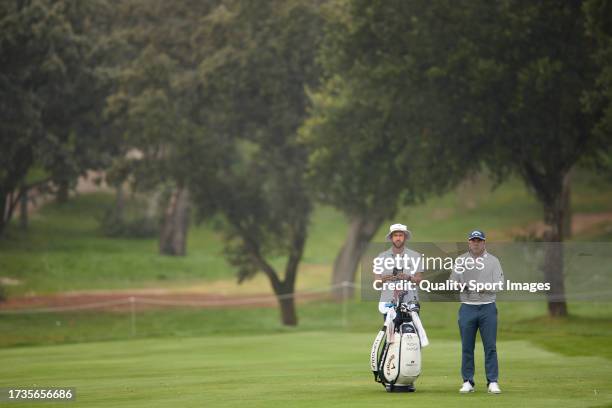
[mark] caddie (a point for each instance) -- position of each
(478, 310)
(408, 269)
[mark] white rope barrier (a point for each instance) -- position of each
(253, 300)
(133, 300)
(244, 301)
(56, 309)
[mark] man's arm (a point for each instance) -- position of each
(497, 278)
(417, 277)
(498, 274)
(455, 275)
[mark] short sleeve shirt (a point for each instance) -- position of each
(413, 263)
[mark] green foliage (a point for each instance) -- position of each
(432, 90)
(599, 100)
(374, 138)
(137, 227)
(251, 84)
(514, 78)
(52, 91)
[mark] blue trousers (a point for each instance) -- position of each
(471, 319)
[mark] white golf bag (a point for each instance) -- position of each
(395, 357)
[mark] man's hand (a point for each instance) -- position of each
(417, 277)
(404, 276)
(399, 276)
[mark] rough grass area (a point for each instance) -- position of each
(65, 250)
(587, 332)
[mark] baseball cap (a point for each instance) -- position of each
(476, 234)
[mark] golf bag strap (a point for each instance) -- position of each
(381, 362)
(375, 347)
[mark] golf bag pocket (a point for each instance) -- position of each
(410, 355)
(402, 360)
(391, 368)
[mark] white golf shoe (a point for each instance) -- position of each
(494, 388)
(466, 387)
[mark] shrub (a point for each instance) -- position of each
(135, 227)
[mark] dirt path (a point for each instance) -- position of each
(581, 223)
(143, 300)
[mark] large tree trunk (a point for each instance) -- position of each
(173, 237)
(3, 209)
(63, 189)
(361, 230)
(566, 197)
(23, 208)
(553, 273)
(153, 204)
(287, 308)
(8, 202)
(554, 216)
(119, 202)
(12, 178)
(286, 289)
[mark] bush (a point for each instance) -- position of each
(136, 227)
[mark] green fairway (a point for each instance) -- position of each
(233, 357)
(294, 369)
(244, 356)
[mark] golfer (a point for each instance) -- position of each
(398, 235)
(478, 311)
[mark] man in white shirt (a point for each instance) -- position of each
(409, 271)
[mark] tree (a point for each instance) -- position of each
(503, 82)
(251, 92)
(599, 100)
(153, 61)
(375, 143)
(51, 93)
(515, 76)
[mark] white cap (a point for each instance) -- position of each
(399, 228)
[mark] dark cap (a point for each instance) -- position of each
(476, 234)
